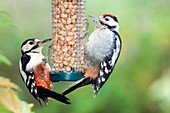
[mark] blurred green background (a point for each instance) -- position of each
(140, 82)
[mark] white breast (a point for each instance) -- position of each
(100, 43)
(35, 60)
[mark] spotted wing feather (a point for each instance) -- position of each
(28, 77)
(107, 66)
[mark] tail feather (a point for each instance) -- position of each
(45, 99)
(45, 93)
(83, 82)
(40, 102)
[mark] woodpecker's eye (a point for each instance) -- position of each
(31, 43)
(107, 19)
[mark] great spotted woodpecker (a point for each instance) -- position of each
(102, 51)
(35, 70)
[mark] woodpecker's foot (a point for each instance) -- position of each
(49, 50)
(84, 35)
(50, 46)
(87, 24)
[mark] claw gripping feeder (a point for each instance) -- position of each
(68, 36)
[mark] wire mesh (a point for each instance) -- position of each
(68, 33)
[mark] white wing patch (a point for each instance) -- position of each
(116, 51)
(104, 64)
(24, 76)
(103, 79)
(106, 71)
(101, 73)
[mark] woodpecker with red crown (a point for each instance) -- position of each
(35, 71)
(102, 51)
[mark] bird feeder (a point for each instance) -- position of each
(68, 37)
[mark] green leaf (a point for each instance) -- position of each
(5, 20)
(4, 60)
(6, 24)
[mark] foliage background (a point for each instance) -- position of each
(141, 80)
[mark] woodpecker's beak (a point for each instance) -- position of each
(42, 42)
(94, 17)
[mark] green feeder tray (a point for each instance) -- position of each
(65, 76)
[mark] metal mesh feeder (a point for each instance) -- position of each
(68, 36)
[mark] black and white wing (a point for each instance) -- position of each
(107, 66)
(28, 77)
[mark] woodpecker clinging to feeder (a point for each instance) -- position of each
(102, 51)
(35, 71)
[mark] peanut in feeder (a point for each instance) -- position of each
(68, 36)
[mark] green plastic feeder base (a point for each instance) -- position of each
(65, 76)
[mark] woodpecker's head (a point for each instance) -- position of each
(108, 20)
(33, 45)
